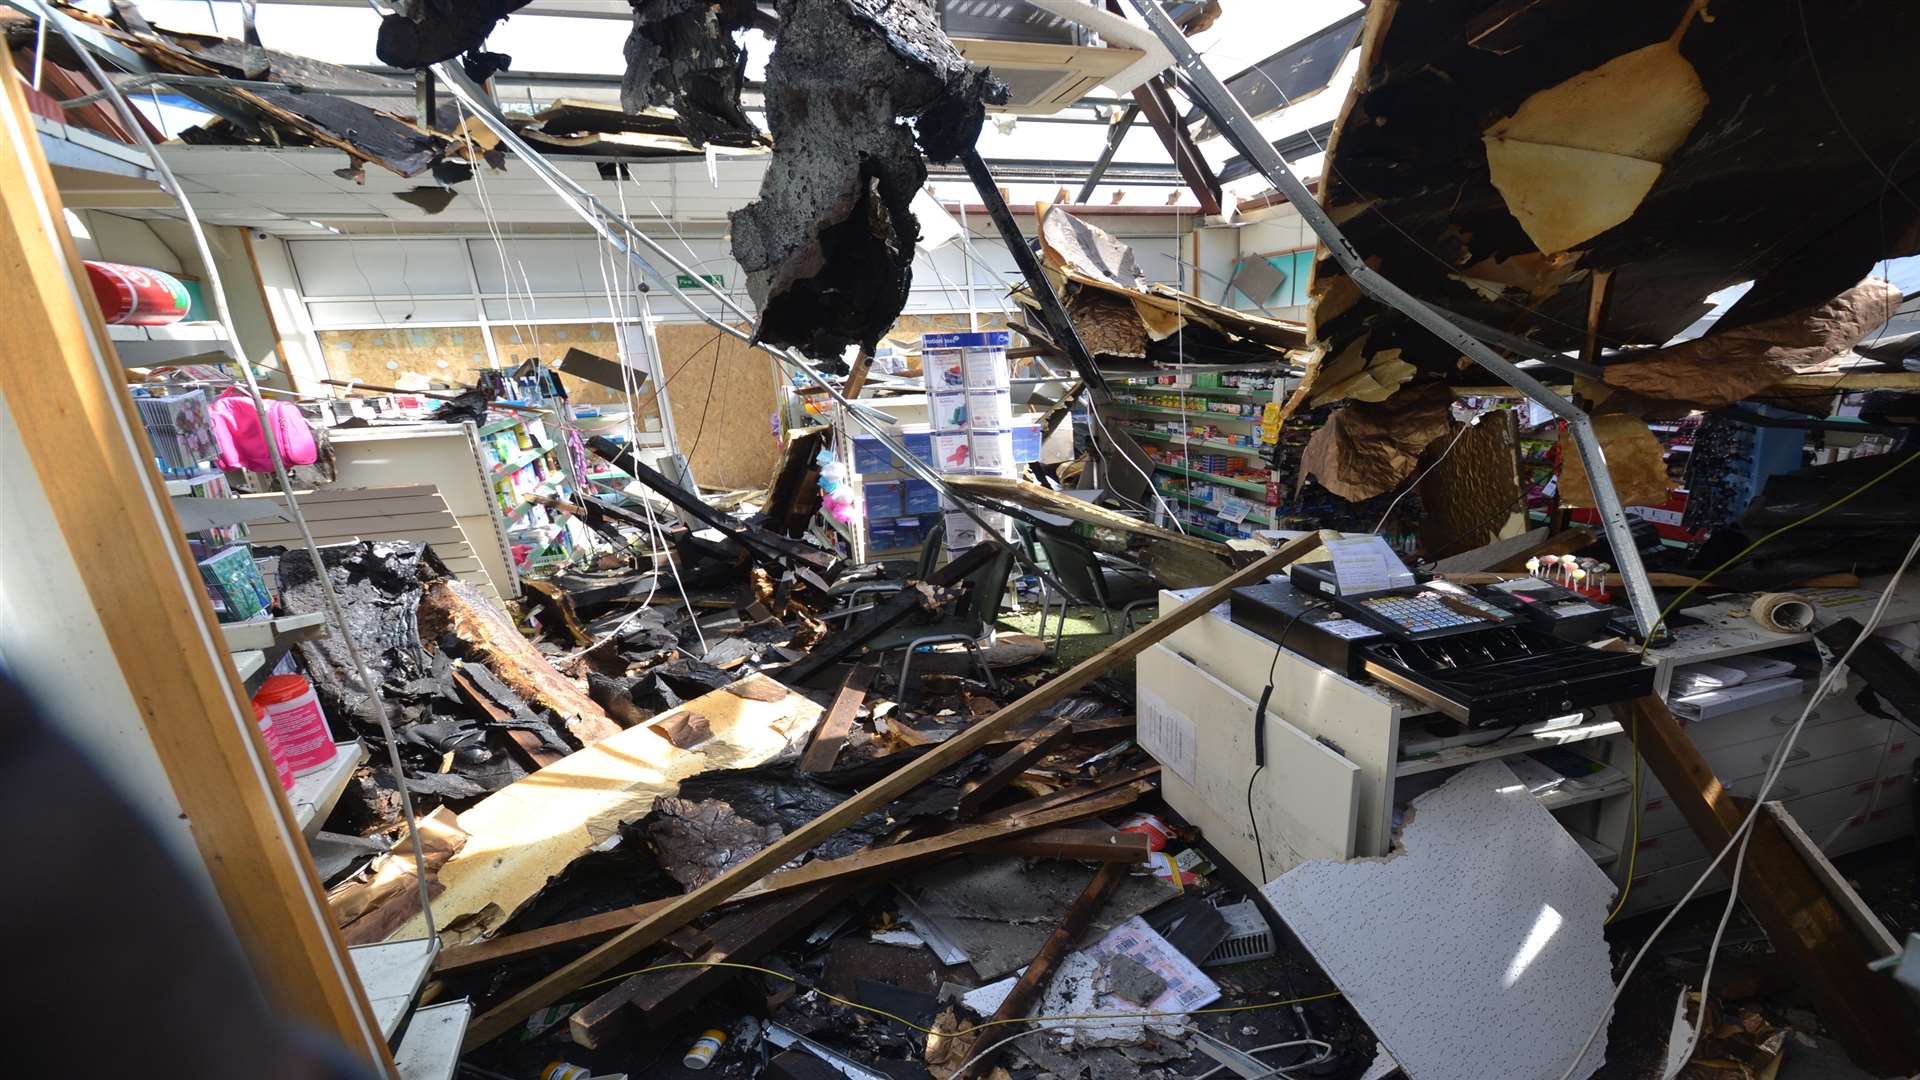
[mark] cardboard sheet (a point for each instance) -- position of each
(1635, 458)
(1367, 450)
(1477, 950)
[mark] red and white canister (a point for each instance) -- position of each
(298, 722)
(272, 738)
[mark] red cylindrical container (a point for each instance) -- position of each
(136, 295)
(274, 749)
(297, 721)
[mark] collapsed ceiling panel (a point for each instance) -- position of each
(828, 246)
(1496, 153)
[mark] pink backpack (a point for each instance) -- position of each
(237, 429)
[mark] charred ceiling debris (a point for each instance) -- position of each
(1530, 165)
(828, 246)
(682, 54)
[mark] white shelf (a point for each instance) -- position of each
(1561, 798)
(1490, 744)
(431, 1046)
(392, 972)
(315, 794)
(1725, 633)
(269, 633)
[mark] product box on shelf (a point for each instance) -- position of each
(882, 499)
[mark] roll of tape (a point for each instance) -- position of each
(1783, 613)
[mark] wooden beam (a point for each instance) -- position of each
(857, 378)
(1080, 844)
(508, 1014)
(1140, 777)
(1157, 106)
(1019, 1000)
(1877, 1026)
(741, 937)
(1010, 765)
(63, 386)
(872, 860)
(832, 732)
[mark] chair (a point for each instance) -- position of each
(1087, 579)
(899, 571)
(968, 623)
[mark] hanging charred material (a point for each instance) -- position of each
(828, 247)
(682, 55)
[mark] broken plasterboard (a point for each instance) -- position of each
(528, 831)
(1488, 922)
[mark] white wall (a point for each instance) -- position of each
(51, 641)
(356, 281)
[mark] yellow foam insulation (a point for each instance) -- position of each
(1577, 159)
(528, 831)
(1635, 458)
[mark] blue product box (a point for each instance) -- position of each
(1026, 441)
(909, 532)
(920, 497)
(872, 456)
(882, 499)
(880, 536)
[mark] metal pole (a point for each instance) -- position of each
(1232, 120)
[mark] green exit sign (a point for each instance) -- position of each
(686, 281)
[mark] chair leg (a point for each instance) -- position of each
(980, 661)
(906, 661)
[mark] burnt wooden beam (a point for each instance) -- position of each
(1877, 1026)
(763, 543)
(832, 732)
(1008, 766)
(1081, 845)
(661, 997)
(886, 615)
(1040, 969)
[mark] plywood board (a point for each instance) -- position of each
(1307, 799)
(387, 355)
(722, 396)
(1478, 950)
(514, 343)
(526, 832)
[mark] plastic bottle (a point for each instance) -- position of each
(700, 1054)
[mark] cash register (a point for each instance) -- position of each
(1471, 657)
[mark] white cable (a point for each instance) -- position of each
(1325, 1054)
(1739, 836)
(1464, 428)
(218, 291)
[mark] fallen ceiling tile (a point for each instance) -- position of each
(1489, 921)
